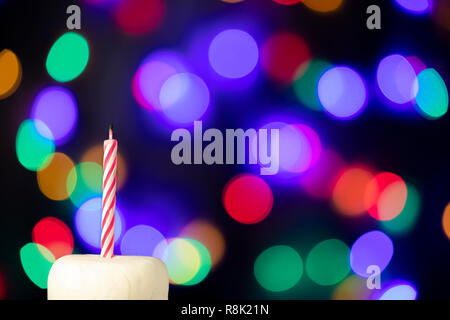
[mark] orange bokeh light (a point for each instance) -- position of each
(52, 180)
(446, 221)
(95, 154)
(11, 73)
(349, 190)
(352, 288)
(323, 5)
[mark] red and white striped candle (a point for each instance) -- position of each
(109, 195)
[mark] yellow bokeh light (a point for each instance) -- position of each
(352, 288)
(446, 221)
(209, 235)
(11, 73)
(183, 260)
(95, 154)
(52, 180)
(323, 5)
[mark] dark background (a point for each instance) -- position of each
(415, 148)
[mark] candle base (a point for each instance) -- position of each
(91, 277)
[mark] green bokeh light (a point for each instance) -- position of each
(33, 150)
(406, 220)
(305, 87)
(278, 268)
(36, 261)
(328, 262)
(205, 263)
(432, 97)
(68, 57)
(84, 182)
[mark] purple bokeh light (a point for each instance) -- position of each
(416, 6)
(151, 75)
(142, 240)
(396, 290)
(372, 248)
(184, 98)
(300, 148)
(88, 219)
(233, 53)
(396, 79)
(56, 107)
(342, 92)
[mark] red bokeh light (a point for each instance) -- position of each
(320, 179)
(53, 234)
(288, 2)
(282, 54)
(247, 198)
(385, 196)
(2, 286)
(139, 16)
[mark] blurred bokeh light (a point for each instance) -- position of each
(247, 198)
(397, 79)
(137, 17)
(398, 290)
(11, 73)
(84, 182)
(300, 148)
(328, 262)
(307, 80)
(54, 235)
(151, 74)
(95, 154)
(321, 178)
(88, 219)
(446, 221)
(282, 54)
(205, 263)
(209, 235)
(416, 6)
(142, 240)
(432, 97)
(352, 288)
(52, 180)
(184, 98)
(385, 196)
(68, 57)
(342, 92)
(372, 248)
(183, 260)
(57, 108)
(36, 262)
(406, 220)
(278, 268)
(349, 190)
(34, 150)
(323, 5)
(233, 53)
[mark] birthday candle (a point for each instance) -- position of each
(109, 195)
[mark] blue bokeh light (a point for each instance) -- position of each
(88, 219)
(142, 240)
(342, 92)
(57, 108)
(233, 53)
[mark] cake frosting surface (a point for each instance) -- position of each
(91, 277)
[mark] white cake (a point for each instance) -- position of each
(91, 277)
